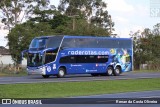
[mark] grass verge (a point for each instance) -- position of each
(68, 89)
(9, 73)
(148, 71)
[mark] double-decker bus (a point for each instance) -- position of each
(61, 55)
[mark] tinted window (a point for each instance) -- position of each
(96, 43)
(86, 42)
(84, 59)
(54, 41)
(34, 59)
(38, 43)
(79, 43)
(109, 43)
(102, 59)
(68, 43)
(68, 59)
(50, 55)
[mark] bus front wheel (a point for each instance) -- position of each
(61, 72)
(109, 71)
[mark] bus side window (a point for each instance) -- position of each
(81, 59)
(102, 59)
(50, 56)
(92, 59)
(68, 59)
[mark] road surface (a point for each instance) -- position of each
(74, 78)
(144, 94)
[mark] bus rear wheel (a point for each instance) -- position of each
(117, 71)
(109, 71)
(45, 76)
(61, 72)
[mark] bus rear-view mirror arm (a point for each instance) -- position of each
(22, 54)
(48, 49)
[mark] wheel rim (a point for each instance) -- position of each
(61, 72)
(110, 71)
(117, 71)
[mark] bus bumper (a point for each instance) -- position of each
(39, 71)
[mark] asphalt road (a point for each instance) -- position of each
(101, 98)
(74, 78)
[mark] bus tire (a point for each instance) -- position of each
(109, 71)
(61, 72)
(117, 71)
(45, 76)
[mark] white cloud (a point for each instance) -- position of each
(124, 33)
(120, 19)
(118, 5)
(130, 16)
(141, 11)
(136, 28)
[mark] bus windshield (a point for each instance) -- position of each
(34, 59)
(38, 43)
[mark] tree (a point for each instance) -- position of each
(48, 21)
(16, 11)
(21, 35)
(146, 47)
(156, 30)
(63, 25)
(94, 11)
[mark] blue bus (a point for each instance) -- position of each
(62, 55)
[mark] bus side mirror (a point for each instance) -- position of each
(22, 54)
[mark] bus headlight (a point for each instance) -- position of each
(43, 70)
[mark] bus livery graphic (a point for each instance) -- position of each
(61, 55)
(87, 52)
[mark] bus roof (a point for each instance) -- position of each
(69, 36)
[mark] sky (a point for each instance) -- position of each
(128, 15)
